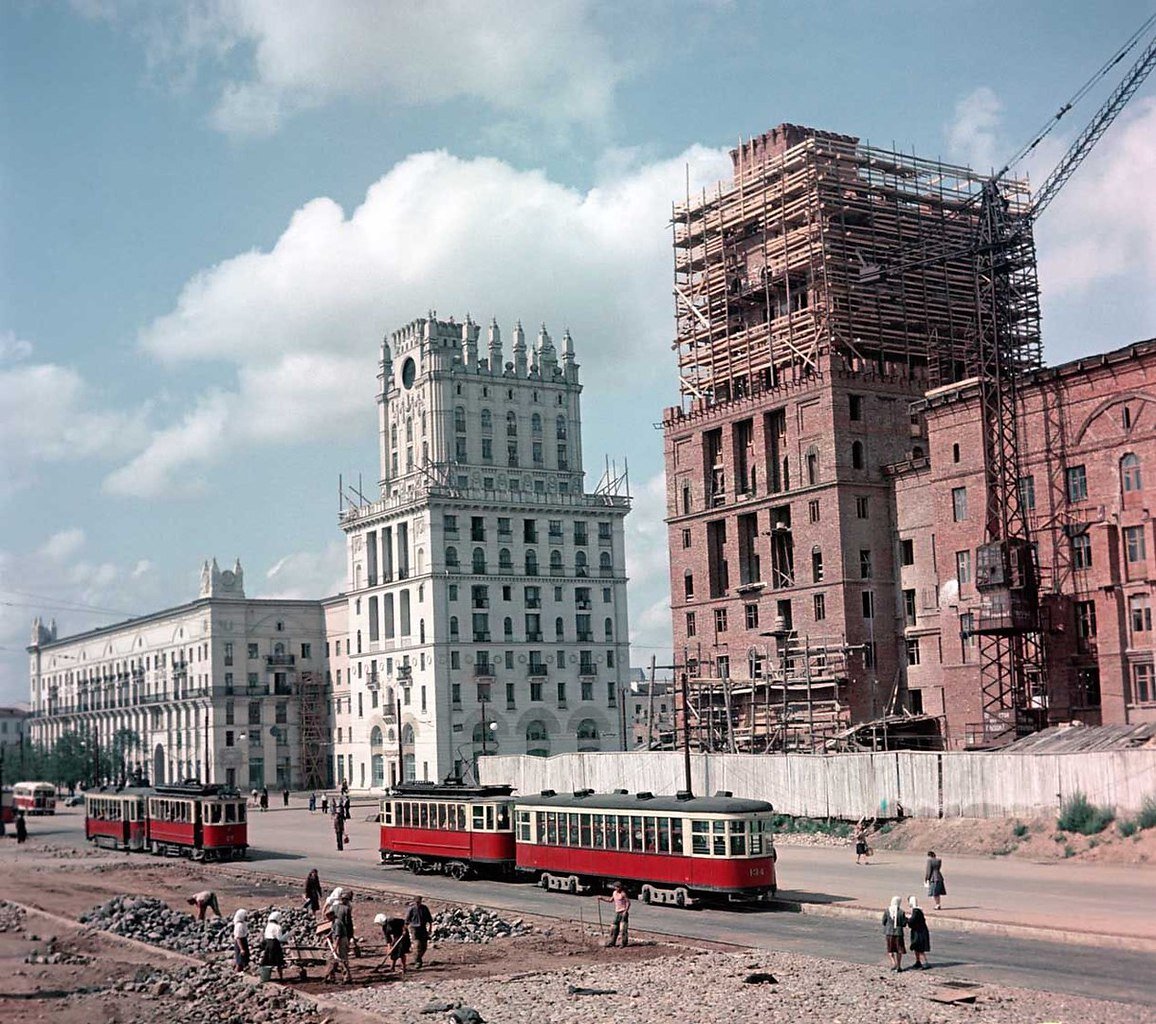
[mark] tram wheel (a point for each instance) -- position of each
(646, 894)
(572, 884)
(457, 871)
(680, 897)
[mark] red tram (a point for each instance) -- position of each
(459, 830)
(674, 849)
(204, 822)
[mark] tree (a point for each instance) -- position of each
(124, 742)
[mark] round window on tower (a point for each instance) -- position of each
(408, 372)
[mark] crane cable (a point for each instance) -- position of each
(1080, 93)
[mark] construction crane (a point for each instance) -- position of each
(1006, 347)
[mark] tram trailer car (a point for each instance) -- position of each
(461, 831)
(34, 797)
(677, 850)
(203, 822)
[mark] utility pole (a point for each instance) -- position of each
(485, 729)
(650, 707)
(686, 734)
(400, 747)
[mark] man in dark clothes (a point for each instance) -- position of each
(342, 936)
(419, 921)
(21, 827)
(339, 828)
(285, 796)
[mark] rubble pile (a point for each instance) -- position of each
(200, 995)
(474, 924)
(148, 919)
(11, 917)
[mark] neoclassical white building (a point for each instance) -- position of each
(487, 587)
(225, 688)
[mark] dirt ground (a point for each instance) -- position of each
(88, 986)
(1042, 840)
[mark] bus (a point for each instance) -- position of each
(34, 797)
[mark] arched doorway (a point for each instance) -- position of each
(376, 758)
(408, 755)
(159, 766)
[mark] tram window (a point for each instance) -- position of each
(405, 817)
(423, 815)
(572, 822)
(503, 817)
(648, 835)
(489, 817)
(479, 817)
(664, 835)
(214, 815)
(230, 813)
(523, 826)
(718, 838)
(676, 835)
(596, 837)
(241, 813)
(738, 838)
(623, 832)
(584, 830)
(612, 831)
(551, 828)
(441, 822)
(756, 840)
(636, 832)
(387, 813)
(461, 817)
(698, 837)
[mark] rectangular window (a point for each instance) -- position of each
(868, 599)
(820, 601)
(862, 507)
(909, 607)
(855, 403)
(959, 504)
(561, 694)
(1143, 683)
(752, 616)
(1134, 544)
(535, 690)
(690, 629)
(864, 564)
(720, 620)
(907, 552)
(913, 652)
(1140, 613)
(1027, 489)
(963, 567)
(1085, 626)
(1082, 551)
(1077, 480)
(686, 538)
(253, 650)
(813, 510)
(229, 654)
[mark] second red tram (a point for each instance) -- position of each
(459, 830)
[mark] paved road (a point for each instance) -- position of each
(291, 842)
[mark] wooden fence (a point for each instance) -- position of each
(948, 785)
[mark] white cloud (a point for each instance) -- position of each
(302, 321)
(307, 575)
(48, 413)
(545, 60)
(62, 546)
(972, 135)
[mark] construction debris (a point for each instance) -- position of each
(474, 924)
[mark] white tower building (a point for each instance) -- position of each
(487, 599)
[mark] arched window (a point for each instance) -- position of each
(407, 735)
(452, 558)
(587, 729)
(816, 563)
(559, 628)
(393, 436)
(812, 468)
(409, 430)
(531, 562)
(479, 560)
(491, 741)
(453, 626)
(421, 631)
(460, 420)
(857, 455)
(608, 627)
(555, 563)
(605, 564)
(560, 428)
(487, 420)
(1130, 472)
(536, 425)
(688, 584)
(508, 628)
(375, 737)
(505, 560)
(511, 424)
(686, 499)
(580, 564)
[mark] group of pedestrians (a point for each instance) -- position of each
(341, 808)
(895, 922)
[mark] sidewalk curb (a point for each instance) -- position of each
(1039, 933)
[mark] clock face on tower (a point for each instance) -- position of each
(227, 579)
(408, 372)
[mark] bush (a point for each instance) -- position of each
(1021, 830)
(1069, 850)
(1127, 827)
(1147, 816)
(1078, 815)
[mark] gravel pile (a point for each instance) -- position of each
(209, 995)
(709, 988)
(148, 919)
(474, 924)
(11, 917)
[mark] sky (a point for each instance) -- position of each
(211, 213)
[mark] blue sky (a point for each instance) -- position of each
(210, 214)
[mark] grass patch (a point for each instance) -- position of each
(1069, 850)
(1078, 815)
(885, 828)
(812, 826)
(1127, 827)
(1147, 816)
(1020, 830)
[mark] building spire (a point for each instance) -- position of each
(495, 343)
(519, 350)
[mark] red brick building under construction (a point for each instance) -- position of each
(824, 465)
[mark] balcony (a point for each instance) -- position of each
(484, 670)
(585, 637)
(280, 660)
(481, 637)
(537, 670)
(533, 637)
(587, 669)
